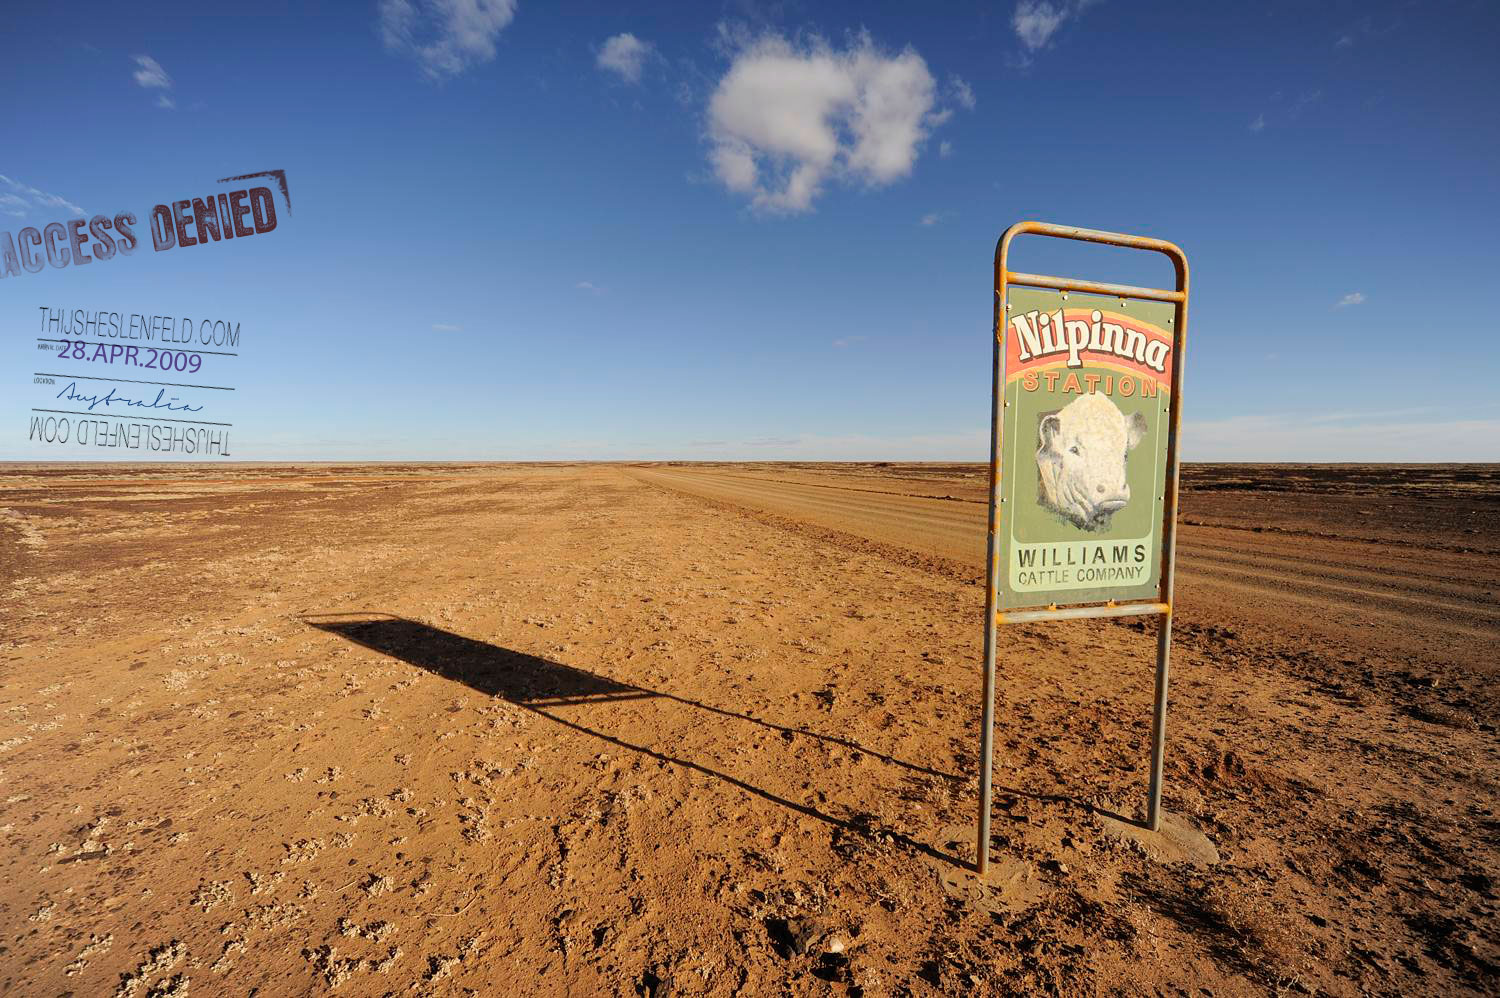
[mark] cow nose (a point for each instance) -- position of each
(1099, 489)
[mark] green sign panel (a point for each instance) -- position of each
(1083, 459)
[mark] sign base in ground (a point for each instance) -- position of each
(1008, 886)
(1175, 841)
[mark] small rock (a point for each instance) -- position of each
(793, 936)
(803, 932)
(655, 984)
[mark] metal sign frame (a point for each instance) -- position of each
(1004, 278)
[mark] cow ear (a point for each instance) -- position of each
(1049, 427)
(1135, 429)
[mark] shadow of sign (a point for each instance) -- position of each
(494, 671)
(543, 686)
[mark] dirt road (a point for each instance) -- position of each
(1409, 596)
(603, 730)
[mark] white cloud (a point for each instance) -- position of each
(1303, 101)
(1352, 298)
(1344, 41)
(446, 327)
(626, 55)
(149, 74)
(786, 119)
(1284, 110)
(963, 94)
(847, 341)
(445, 37)
(945, 148)
(965, 445)
(590, 287)
(23, 199)
(932, 218)
(1037, 21)
(1363, 437)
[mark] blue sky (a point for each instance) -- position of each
(703, 231)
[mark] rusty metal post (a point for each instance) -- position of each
(1159, 720)
(986, 732)
(992, 569)
(1169, 551)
